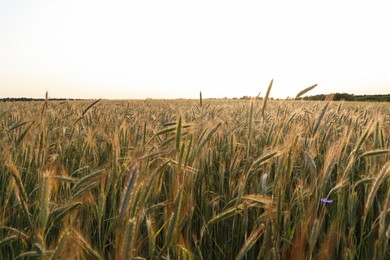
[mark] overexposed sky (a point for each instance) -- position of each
(174, 49)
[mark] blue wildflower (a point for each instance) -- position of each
(326, 201)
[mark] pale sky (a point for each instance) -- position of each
(174, 49)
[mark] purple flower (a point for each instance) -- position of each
(326, 201)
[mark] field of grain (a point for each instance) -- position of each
(194, 179)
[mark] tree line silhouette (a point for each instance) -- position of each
(337, 97)
(351, 97)
(24, 99)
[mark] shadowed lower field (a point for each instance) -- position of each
(217, 179)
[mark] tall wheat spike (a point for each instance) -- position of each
(178, 134)
(300, 93)
(266, 99)
(125, 201)
(44, 207)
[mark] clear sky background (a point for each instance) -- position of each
(173, 49)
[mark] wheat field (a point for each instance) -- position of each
(194, 179)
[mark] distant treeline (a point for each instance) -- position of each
(337, 97)
(351, 97)
(23, 99)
